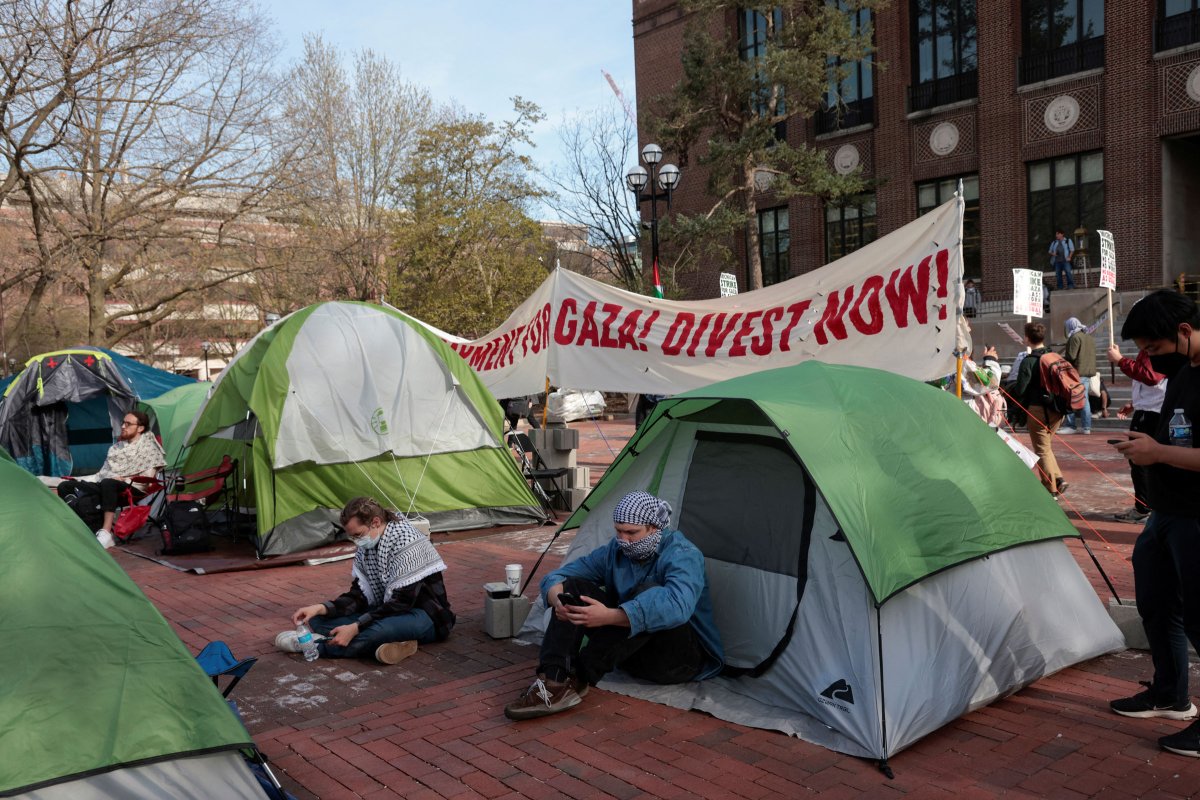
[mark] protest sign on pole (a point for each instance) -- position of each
(1108, 272)
(728, 284)
(1027, 293)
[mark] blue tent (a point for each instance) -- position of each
(60, 412)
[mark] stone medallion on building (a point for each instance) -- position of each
(846, 159)
(1193, 84)
(943, 139)
(1062, 113)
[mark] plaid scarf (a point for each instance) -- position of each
(403, 556)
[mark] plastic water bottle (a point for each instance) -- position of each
(1180, 429)
(308, 645)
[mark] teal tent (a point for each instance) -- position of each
(99, 698)
(62, 411)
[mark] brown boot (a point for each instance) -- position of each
(395, 652)
(543, 698)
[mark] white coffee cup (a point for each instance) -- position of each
(512, 576)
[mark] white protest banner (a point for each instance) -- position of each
(728, 284)
(1027, 292)
(891, 305)
(1108, 260)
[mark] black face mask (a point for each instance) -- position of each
(1168, 363)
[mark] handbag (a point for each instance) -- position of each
(130, 521)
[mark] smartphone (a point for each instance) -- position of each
(569, 599)
(1117, 441)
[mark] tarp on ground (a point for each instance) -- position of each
(97, 689)
(63, 411)
(890, 305)
(880, 561)
(346, 399)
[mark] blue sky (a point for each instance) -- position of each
(482, 52)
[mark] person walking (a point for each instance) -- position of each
(1081, 352)
(1149, 389)
(1043, 420)
(1062, 251)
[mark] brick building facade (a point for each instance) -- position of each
(1055, 113)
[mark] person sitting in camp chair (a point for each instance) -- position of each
(136, 454)
(397, 598)
(641, 600)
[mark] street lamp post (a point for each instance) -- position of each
(206, 346)
(637, 179)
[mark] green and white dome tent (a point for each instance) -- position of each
(343, 399)
(880, 562)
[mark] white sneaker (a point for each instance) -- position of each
(105, 538)
(1065, 431)
(289, 641)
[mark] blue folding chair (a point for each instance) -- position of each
(216, 660)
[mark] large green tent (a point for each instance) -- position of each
(99, 698)
(173, 413)
(880, 561)
(345, 399)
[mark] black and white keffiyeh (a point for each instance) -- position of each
(643, 508)
(403, 556)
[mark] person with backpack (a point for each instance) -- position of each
(1061, 253)
(1043, 418)
(1166, 556)
(1145, 406)
(1081, 352)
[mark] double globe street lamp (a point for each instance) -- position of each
(668, 178)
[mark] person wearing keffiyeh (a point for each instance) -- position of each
(397, 598)
(642, 602)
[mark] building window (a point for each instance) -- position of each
(754, 31)
(1064, 193)
(850, 226)
(944, 59)
(932, 194)
(1061, 37)
(774, 238)
(850, 93)
(1178, 24)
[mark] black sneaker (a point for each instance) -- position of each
(1142, 705)
(543, 698)
(1185, 743)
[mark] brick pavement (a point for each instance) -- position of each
(433, 726)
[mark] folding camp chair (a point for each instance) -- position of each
(543, 479)
(216, 660)
(209, 487)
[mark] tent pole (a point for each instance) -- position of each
(883, 762)
(1103, 574)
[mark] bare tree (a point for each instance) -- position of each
(589, 189)
(166, 147)
(356, 133)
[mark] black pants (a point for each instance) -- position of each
(1166, 558)
(1142, 422)
(670, 656)
(111, 491)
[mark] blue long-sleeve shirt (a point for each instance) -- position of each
(678, 590)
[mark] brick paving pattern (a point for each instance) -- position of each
(433, 725)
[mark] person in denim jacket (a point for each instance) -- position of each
(643, 605)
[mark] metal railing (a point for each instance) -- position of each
(858, 112)
(1065, 60)
(943, 91)
(1176, 30)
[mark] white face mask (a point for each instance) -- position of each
(365, 542)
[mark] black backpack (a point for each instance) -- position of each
(185, 529)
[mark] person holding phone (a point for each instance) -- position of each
(642, 602)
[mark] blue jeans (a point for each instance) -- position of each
(1061, 267)
(1166, 560)
(414, 624)
(1086, 413)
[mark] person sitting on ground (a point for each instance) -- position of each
(136, 454)
(1042, 419)
(397, 598)
(642, 602)
(1166, 556)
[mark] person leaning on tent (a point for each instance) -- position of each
(397, 598)
(135, 454)
(643, 605)
(1166, 555)
(1042, 420)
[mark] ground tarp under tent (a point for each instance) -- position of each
(345, 399)
(880, 562)
(62, 411)
(99, 697)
